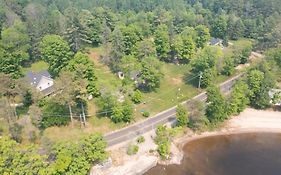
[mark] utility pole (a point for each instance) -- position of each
(80, 117)
(70, 112)
(200, 78)
(83, 114)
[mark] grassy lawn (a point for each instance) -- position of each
(174, 89)
(36, 67)
(107, 81)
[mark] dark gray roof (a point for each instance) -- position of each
(34, 78)
(215, 41)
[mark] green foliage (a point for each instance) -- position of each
(150, 75)
(15, 158)
(216, 110)
(122, 112)
(131, 37)
(197, 118)
(182, 116)
(203, 36)
(16, 132)
(136, 97)
(239, 98)
(163, 139)
(219, 27)
(78, 158)
(205, 62)
(140, 140)
(14, 47)
(118, 47)
(146, 114)
(54, 115)
(56, 52)
(84, 69)
(162, 43)
(245, 54)
(132, 149)
(184, 48)
(228, 67)
(145, 48)
(27, 99)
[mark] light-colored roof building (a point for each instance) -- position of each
(42, 81)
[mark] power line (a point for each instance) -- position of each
(109, 110)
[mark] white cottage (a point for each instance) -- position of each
(42, 81)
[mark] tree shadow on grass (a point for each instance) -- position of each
(191, 79)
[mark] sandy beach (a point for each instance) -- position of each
(250, 120)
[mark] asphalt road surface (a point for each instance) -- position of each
(165, 117)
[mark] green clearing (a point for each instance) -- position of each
(35, 67)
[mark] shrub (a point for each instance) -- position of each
(53, 115)
(146, 114)
(136, 97)
(132, 149)
(182, 116)
(16, 132)
(32, 136)
(141, 139)
(164, 150)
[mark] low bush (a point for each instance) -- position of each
(132, 149)
(141, 139)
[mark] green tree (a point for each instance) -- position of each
(14, 158)
(238, 30)
(239, 98)
(131, 37)
(228, 67)
(122, 112)
(14, 47)
(184, 48)
(182, 116)
(219, 27)
(145, 48)
(76, 34)
(150, 75)
(56, 52)
(203, 36)
(162, 42)
(117, 49)
(205, 62)
(83, 68)
(259, 87)
(117, 114)
(215, 110)
(197, 118)
(94, 148)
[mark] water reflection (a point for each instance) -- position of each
(239, 154)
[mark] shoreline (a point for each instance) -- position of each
(249, 121)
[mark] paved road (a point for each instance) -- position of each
(168, 116)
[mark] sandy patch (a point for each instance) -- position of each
(250, 120)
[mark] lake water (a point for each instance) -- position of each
(238, 154)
